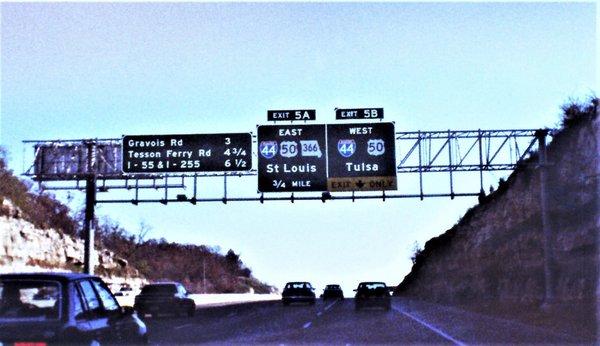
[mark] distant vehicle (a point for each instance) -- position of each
(64, 308)
(298, 292)
(332, 292)
(164, 297)
(372, 294)
(125, 290)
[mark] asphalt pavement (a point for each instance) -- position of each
(336, 322)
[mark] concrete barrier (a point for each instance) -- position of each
(212, 299)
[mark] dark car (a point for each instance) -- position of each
(332, 292)
(59, 308)
(164, 297)
(298, 292)
(372, 294)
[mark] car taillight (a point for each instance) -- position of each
(31, 343)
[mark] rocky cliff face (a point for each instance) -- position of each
(26, 248)
(495, 254)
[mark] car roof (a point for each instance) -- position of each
(372, 283)
(163, 283)
(298, 282)
(57, 276)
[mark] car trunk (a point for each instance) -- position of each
(33, 331)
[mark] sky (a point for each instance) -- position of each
(103, 70)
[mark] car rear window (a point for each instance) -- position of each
(159, 289)
(372, 286)
(29, 299)
(297, 285)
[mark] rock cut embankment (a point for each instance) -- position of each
(23, 247)
(495, 254)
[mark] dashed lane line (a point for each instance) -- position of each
(330, 305)
(430, 327)
(184, 326)
(308, 324)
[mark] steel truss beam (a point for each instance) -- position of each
(440, 151)
(291, 198)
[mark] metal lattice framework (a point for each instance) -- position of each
(418, 152)
(483, 150)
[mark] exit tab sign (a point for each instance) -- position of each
(359, 113)
(298, 114)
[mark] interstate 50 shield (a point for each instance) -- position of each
(291, 158)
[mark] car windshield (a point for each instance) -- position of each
(333, 287)
(159, 289)
(33, 299)
(371, 285)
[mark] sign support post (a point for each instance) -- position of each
(546, 222)
(90, 202)
(88, 229)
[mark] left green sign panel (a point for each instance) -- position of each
(223, 152)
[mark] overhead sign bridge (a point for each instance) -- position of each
(313, 162)
(130, 163)
(318, 162)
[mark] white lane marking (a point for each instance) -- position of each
(308, 324)
(330, 305)
(184, 325)
(431, 327)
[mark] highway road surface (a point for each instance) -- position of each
(336, 322)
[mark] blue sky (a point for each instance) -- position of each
(103, 70)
